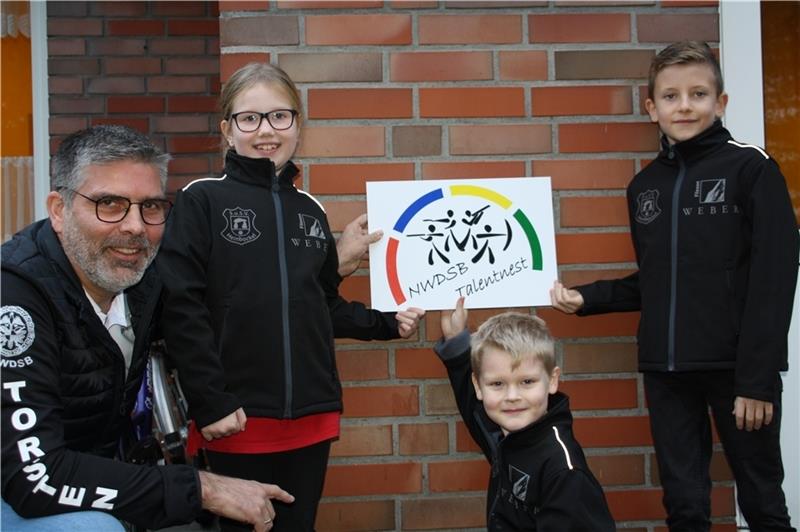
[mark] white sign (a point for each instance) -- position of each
(490, 240)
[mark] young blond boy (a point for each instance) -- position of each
(717, 245)
(506, 388)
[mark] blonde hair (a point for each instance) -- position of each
(519, 335)
(684, 53)
(250, 75)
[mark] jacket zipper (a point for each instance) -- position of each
(287, 346)
(673, 274)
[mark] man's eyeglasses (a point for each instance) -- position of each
(113, 209)
(279, 119)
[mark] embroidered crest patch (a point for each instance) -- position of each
(647, 208)
(239, 226)
(17, 331)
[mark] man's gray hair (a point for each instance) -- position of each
(103, 145)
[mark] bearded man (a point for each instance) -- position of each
(79, 312)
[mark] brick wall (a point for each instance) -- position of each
(423, 90)
(153, 66)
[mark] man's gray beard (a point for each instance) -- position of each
(89, 258)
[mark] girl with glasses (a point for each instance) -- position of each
(252, 305)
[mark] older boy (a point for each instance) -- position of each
(509, 400)
(716, 243)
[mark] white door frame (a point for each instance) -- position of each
(41, 108)
(740, 54)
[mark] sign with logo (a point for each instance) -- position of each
(490, 240)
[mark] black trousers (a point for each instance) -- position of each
(679, 403)
(301, 472)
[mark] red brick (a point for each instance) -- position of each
(423, 438)
(355, 287)
(376, 401)
(594, 248)
(173, 46)
(447, 170)
(577, 277)
(469, 29)
(189, 165)
(356, 516)
(602, 64)
(115, 85)
(329, 4)
(64, 125)
(608, 137)
(140, 124)
(580, 27)
(618, 431)
(118, 9)
(527, 65)
(617, 470)
(132, 65)
(670, 28)
(65, 47)
(193, 144)
(350, 141)
(439, 400)
(476, 317)
(463, 475)
(180, 124)
(135, 104)
(440, 66)
(65, 85)
(595, 211)
(86, 27)
(372, 479)
(75, 66)
(383, 29)
(259, 30)
(192, 104)
(413, 4)
(603, 394)
(362, 365)
(341, 66)
(185, 65)
(244, 5)
(359, 103)
(645, 504)
(117, 46)
(352, 178)
(367, 440)
(500, 139)
(418, 364)
(230, 63)
(464, 442)
(689, 3)
(471, 102)
(341, 213)
(599, 358)
(578, 174)
(432, 513)
(583, 100)
(180, 9)
(177, 84)
(135, 27)
(193, 28)
(571, 326)
(416, 141)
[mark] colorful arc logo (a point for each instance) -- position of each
(423, 201)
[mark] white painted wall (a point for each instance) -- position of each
(740, 47)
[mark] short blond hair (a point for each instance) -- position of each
(519, 335)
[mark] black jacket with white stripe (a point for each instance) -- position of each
(716, 244)
(540, 480)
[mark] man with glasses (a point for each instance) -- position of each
(79, 302)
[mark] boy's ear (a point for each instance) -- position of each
(722, 103)
(477, 386)
(553, 386)
(650, 107)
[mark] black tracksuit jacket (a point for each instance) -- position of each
(540, 480)
(717, 248)
(66, 401)
(251, 301)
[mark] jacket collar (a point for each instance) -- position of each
(697, 146)
(259, 172)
